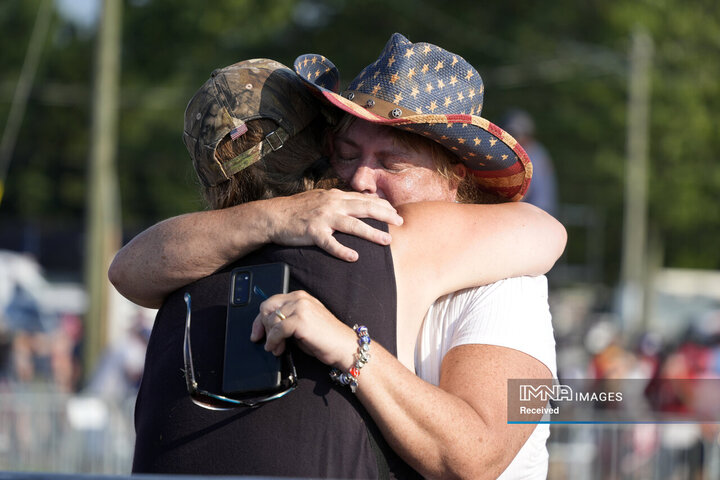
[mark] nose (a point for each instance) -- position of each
(364, 180)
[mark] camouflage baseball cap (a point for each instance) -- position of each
(247, 90)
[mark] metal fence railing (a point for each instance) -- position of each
(41, 431)
(51, 432)
(634, 451)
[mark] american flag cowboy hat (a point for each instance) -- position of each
(424, 89)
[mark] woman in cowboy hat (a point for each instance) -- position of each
(419, 281)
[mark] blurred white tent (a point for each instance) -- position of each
(28, 300)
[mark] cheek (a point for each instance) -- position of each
(412, 185)
(344, 171)
(416, 185)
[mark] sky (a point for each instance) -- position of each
(83, 13)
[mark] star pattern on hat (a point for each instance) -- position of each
(427, 90)
(412, 83)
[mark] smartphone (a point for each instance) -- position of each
(248, 369)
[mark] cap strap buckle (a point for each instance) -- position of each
(275, 139)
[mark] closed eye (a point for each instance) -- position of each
(340, 159)
(395, 165)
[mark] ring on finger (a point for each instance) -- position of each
(279, 314)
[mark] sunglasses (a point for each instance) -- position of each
(213, 401)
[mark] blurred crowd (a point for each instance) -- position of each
(676, 376)
(41, 337)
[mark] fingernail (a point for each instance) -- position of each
(387, 238)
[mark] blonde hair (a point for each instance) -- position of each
(296, 167)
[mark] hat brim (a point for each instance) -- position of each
(507, 175)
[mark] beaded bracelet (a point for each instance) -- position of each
(361, 358)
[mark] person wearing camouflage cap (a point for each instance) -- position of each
(249, 90)
(469, 254)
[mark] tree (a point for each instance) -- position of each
(564, 62)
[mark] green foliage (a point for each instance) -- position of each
(564, 62)
(684, 132)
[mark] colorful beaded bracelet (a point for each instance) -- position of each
(362, 357)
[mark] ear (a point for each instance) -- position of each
(460, 170)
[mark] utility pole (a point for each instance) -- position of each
(22, 89)
(103, 232)
(634, 280)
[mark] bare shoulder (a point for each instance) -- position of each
(428, 210)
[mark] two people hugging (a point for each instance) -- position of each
(396, 206)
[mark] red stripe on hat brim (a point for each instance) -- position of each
(515, 168)
(495, 130)
(514, 193)
(351, 107)
(361, 112)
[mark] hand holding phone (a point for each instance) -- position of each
(248, 369)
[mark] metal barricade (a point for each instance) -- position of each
(634, 451)
(42, 431)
